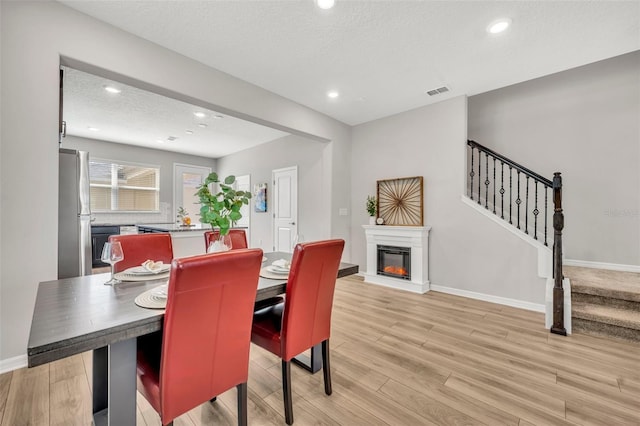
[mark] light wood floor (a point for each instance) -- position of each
(397, 359)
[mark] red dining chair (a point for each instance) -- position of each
(304, 319)
(203, 348)
(238, 238)
(139, 247)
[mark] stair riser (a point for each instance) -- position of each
(605, 301)
(578, 288)
(604, 330)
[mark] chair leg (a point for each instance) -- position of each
(242, 404)
(286, 390)
(326, 367)
(214, 399)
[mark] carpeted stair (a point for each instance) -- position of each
(605, 303)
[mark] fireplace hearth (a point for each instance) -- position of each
(398, 257)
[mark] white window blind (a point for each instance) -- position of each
(117, 187)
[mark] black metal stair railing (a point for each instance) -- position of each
(533, 187)
(528, 184)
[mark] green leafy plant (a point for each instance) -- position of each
(182, 213)
(371, 205)
(222, 208)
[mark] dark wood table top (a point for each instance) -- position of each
(74, 315)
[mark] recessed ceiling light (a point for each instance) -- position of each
(218, 117)
(200, 114)
(159, 141)
(93, 129)
(498, 26)
(325, 4)
(202, 125)
(112, 89)
(189, 132)
(333, 94)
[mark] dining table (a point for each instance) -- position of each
(75, 315)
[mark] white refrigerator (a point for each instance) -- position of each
(74, 214)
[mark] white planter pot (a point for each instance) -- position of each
(372, 220)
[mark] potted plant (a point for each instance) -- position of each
(372, 208)
(221, 209)
(183, 217)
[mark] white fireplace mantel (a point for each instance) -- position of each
(415, 237)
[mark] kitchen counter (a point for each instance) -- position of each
(171, 227)
(186, 240)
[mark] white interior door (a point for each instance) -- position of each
(186, 180)
(285, 208)
(243, 183)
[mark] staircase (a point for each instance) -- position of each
(532, 205)
(605, 303)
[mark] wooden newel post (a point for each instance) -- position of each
(558, 225)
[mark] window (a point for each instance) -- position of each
(123, 187)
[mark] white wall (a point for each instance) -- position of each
(34, 37)
(284, 152)
(585, 123)
(165, 160)
(467, 251)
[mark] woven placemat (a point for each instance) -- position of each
(123, 276)
(264, 273)
(150, 299)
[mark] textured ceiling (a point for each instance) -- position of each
(380, 55)
(138, 117)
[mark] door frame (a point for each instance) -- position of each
(273, 202)
(174, 207)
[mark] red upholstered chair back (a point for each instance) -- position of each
(307, 312)
(207, 327)
(238, 238)
(139, 247)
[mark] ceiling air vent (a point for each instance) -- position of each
(172, 138)
(437, 91)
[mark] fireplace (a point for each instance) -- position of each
(394, 262)
(403, 251)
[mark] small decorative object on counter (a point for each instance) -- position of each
(372, 208)
(380, 221)
(183, 217)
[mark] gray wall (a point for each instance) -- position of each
(585, 123)
(467, 251)
(154, 157)
(34, 37)
(284, 152)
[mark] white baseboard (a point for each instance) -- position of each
(537, 307)
(602, 265)
(14, 363)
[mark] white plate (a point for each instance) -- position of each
(276, 270)
(141, 270)
(160, 292)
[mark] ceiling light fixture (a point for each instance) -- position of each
(325, 4)
(189, 132)
(218, 117)
(200, 114)
(202, 125)
(112, 89)
(333, 94)
(499, 26)
(159, 141)
(93, 129)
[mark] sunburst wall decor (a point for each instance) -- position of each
(400, 201)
